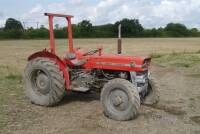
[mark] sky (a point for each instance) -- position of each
(151, 13)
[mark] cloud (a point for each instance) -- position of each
(34, 17)
(183, 11)
(36, 9)
(2, 19)
(155, 13)
(2, 22)
(151, 14)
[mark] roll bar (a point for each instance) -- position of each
(51, 32)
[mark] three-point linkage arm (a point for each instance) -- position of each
(51, 32)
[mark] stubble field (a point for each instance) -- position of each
(176, 66)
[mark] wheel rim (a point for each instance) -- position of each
(118, 100)
(40, 81)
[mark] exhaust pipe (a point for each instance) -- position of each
(119, 42)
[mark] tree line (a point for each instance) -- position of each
(14, 29)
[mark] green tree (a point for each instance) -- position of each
(12, 24)
(84, 28)
(104, 31)
(13, 29)
(194, 32)
(31, 33)
(176, 30)
(60, 32)
(130, 27)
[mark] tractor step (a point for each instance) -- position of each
(80, 89)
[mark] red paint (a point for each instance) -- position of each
(71, 50)
(51, 34)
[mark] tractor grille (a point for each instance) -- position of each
(140, 79)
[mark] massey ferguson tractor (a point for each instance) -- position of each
(123, 81)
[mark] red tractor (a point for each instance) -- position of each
(123, 81)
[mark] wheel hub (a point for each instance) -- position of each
(42, 83)
(119, 100)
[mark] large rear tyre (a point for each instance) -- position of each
(44, 82)
(120, 100)
(153, 94)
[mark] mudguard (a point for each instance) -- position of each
(58, 61)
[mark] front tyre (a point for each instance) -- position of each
(120, 100)
(44, 82)
(153, 94)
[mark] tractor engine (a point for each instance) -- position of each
(81, 79)
(84, 80)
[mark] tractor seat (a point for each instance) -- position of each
(78, 62)
(70, 56)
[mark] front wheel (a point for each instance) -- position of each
(153, 93)
(120, 100)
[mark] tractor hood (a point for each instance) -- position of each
(119, 62)
(124, 59)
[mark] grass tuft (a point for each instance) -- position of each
(183, 59)
(156, 55)
(13, 77)
(3, 67)
(198, 52)
(186, 65)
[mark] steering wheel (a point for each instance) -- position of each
(91, 52)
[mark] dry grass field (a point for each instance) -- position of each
(176, 65)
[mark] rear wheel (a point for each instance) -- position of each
(44, 82)
(120, 100)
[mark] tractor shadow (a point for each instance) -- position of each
(79, 96)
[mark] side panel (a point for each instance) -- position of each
(55, 58)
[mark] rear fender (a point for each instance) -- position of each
(58, 61)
